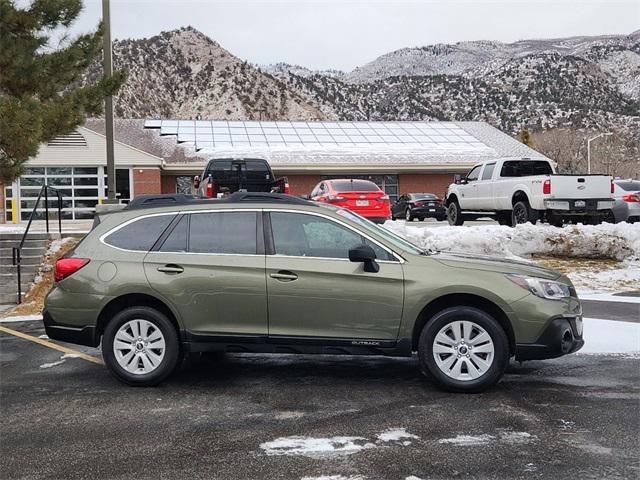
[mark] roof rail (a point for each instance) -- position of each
(164, 200)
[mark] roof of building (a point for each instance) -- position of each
(316, 145)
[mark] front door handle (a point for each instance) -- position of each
(284, 276)
(171, 269)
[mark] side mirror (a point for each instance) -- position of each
(196, 181)
(365, 254)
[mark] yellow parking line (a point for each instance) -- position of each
(54, 346)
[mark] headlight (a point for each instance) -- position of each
(541, 287)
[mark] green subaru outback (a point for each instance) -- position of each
(270, 273)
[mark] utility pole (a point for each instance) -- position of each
(108, 104)
(589, 148)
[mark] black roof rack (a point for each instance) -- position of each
(163, 200)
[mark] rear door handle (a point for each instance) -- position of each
(284, 276)
(171, 269)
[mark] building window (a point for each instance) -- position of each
(388, 183)
(183, 184)
(81, 189)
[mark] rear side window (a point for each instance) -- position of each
(488, 171)
(524, 168)
(223, 232)
(141, 234)
(354, 186)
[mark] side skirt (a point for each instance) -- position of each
(204, 342)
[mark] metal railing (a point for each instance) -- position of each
(17, 251)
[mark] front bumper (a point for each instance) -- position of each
(563, 335)
(85, 335)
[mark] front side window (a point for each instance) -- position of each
(223, 232)
(139, 235)
(302, 235)
(473, 174)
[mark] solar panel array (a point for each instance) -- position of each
(221, 134)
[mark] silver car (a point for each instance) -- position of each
(627, 201)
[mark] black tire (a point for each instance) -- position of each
(609, 217)
(504, 219)
(523, 213)
(491, 326)
(172, 354)
(454, 214)
(407, 215)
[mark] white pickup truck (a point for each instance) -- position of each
(524, 190)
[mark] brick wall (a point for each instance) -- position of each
(300, 184)
(168, 183)
(146, 180)
(424, 183)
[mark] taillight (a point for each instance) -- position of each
(335, 198)
(286, 187)
(613, 188)
(68, 266)
(420, 203)
(631, 197)
(384, 198)
(210, 192)
(546, 187)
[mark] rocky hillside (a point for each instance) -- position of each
(590, 82)
(185, 74)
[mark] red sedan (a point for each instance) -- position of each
(360, 196)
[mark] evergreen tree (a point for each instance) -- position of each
(40, 93)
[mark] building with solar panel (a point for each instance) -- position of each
(162, 156)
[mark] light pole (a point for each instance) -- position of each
(589, 148)
(107, 66)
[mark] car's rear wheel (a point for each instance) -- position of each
(407, 215)
(463, 349)
(454, 215)
(523, 213)
(140, 346)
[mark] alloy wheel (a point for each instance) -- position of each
(407, 215)
(139, 346)
(463, 350)
(520, 215)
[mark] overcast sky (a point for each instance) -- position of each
(345, 34)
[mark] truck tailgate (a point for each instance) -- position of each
(580, 186)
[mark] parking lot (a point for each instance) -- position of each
(252, 416)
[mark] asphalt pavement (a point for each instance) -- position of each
(255, 416)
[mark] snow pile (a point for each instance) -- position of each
(505, 436)
(620, 241)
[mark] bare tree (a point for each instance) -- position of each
(617, 155)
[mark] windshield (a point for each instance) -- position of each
(391, 237)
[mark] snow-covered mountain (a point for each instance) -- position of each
(585, 82)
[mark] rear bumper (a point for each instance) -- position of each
(84, 335)
(571, 206)
(562, 336)
(428, 212)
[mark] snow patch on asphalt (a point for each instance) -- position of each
(315, 447)
(607, 297)
(610, 336)
(335, 477)
(395, 435)
(334, 446)
(59, 362)
(506, 436)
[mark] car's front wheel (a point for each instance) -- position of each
(463, 349)
(140, 346)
